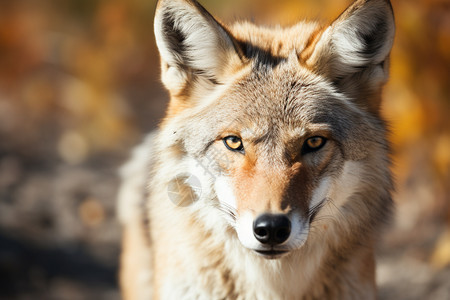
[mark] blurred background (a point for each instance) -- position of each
(79, 86)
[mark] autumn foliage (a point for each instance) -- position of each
(79, 82)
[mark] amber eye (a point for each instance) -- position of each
(233, 143)
(313, 144)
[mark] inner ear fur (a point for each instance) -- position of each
(354, 51)
(194, 47)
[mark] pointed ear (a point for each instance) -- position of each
(354, 50)
(195, 49)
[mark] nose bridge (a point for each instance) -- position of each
(271, 186)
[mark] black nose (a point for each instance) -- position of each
(272, 229)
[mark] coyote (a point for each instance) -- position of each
(269, 177)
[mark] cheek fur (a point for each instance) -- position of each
(225, 192)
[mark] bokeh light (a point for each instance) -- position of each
(79, 86)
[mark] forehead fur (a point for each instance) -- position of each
(285, 99)
(275, 90)
(274, 83)
(269, 44)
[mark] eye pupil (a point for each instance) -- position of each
(233, 143)
(313, 144)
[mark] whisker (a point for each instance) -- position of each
(336, 207)
(228, 210)
(315, 209)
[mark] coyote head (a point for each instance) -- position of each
(281, 125)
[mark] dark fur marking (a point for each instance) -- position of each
(374, 39)
(201, 73)
(175, 39)
(262, 58)
(173, 36)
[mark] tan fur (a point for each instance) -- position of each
(135, 276)
(273, 88)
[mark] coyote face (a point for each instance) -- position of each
(282, 142)
(269, 177)
(287, 120)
